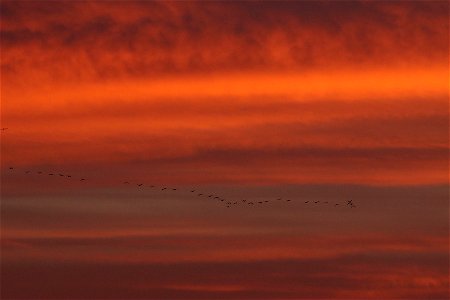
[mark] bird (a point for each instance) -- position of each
(163, 189)
(69, 176)
(51, 174)
(349, 202)
(216, 197)
(82, 179)
(306, 201)
(288, 200)
(62, 175)
(222, 200)
(11, 168)
(260, 202)
(316, 201)
(192, 191)
(200, 194)
(243, 200)
(139, 184)
(174, 189)
(235, 203)
(209, 196)
(266, 201)
(336, 204)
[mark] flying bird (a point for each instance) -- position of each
(82, 179)
(11, 168)
(192, 191)
(62, 175)
(139, 184)
(163, 189)
(174, 189)
(306, 201)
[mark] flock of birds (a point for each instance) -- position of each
(195, 192)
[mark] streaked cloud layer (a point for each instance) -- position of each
(307, 100)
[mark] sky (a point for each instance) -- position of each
(307, 101)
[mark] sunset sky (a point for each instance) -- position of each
(302, 100)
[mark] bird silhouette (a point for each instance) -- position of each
(288, 200)
(62, 175)
(139, 184)
(336, 204)
(174, 189)
(69, 176)
(11, 168)
(192, 191)
(163, 189)
(82, 179)
(51, 174)
(306, 201)
(316, 201)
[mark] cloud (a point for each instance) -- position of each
(113, 40)
(391, 275)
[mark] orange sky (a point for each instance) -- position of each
(253, 99)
